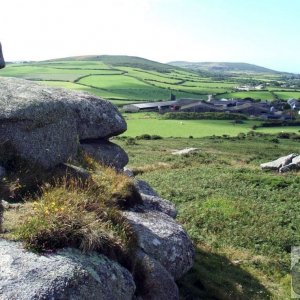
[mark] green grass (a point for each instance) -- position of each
(287, 95)
(114, 82)
(73, 64)
(243, 220)
(263, 95)
(126, 87)
(137, 79)
(215, 84)
(186, 128)
(150, 123)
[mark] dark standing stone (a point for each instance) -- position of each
(2, 62)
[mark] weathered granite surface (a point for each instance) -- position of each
(67, 274)
(44, 124)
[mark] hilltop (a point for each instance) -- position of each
(222, 67)
(121, 61)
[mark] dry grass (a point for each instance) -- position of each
(83, 214)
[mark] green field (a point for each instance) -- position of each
(143, 123)
(262, 95)
(242, 220)
(287, 95)
(122, 78)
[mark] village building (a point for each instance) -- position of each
(160, 106)
(263, 109)
(200, 107)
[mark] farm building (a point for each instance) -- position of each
(160, 106)
(255, 109)
(294, 104)
(199, 107)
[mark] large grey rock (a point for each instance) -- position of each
(1, 216)
(153, 280)
(68, 274)
(106, 153)
(44, 124)
(296, 160)
(159, 236)
(2, 62)
(278, 163)
(154, 203)
(145, 188)
(294, 165)
(2, 172)
(128, 172)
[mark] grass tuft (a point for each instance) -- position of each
(75, 213)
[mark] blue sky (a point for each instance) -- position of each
(263, 32)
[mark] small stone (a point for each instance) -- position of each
(278, 163)
(185, 151)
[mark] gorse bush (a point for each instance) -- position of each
(148, 137)
(83, 215)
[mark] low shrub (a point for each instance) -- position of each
(279, 123)
(130, 141)
(148, 137)
(83, 215)
(143, 137)
(241, 136)
(156, 137)
(274, 140)
(283, 135)
(204, 116)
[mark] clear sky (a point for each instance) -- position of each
(263, 32)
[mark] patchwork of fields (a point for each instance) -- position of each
(126, 79)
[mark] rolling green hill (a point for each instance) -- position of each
(222, 67)
(122, 61)
(127, 79)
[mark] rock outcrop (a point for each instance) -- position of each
(163, 239)
(48, 126)
(67, 274)
(283, 164)
(2, 62)
(45, 125)
(163, 254)
(155, 282)
(107, 153)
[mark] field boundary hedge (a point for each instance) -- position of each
(203, 116)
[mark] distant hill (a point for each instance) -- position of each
(222, 67)
(122, 61)
(126, 79)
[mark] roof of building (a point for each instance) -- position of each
(199, 103)
(178, 102)
(153, 104)
(249, 106)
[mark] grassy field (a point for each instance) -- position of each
(242, 220)
(263, 95)
(287, 95)
(121, 78)
(151, 123)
